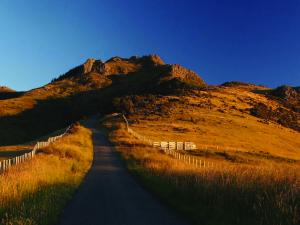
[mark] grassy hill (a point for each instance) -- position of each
(85, 90)
(161, 99)
(218, 119)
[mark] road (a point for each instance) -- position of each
(110, 196)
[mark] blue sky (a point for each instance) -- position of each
(254, 41)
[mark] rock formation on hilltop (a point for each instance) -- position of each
(146, 72)
(88, 65)
(182, 74)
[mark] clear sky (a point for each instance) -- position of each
(254, 41)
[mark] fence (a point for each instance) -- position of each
(172, 148)
(138, 136)
(191, 160)
(6, 164)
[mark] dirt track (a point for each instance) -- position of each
(110, 196)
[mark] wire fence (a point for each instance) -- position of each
(176, 149)
(8, 163)
(191, 160)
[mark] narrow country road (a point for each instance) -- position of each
(110, 196)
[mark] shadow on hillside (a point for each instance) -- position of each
(9, 154)
(9, 95)
(49, 115)
(55, 113)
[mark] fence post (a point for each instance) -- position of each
(126, 121)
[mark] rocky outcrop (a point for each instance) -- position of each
(287, 96)
(87, 66)
(185, 75)
(153, 60)
(288, 114)
(287, 93)
(281, 115)
(148, 72)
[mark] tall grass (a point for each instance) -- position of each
(36, 191)
(226, 194)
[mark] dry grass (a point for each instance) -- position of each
(229, 193)
(35, 192)
(218, 118)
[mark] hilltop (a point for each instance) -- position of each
(85, 90)
(135, 71)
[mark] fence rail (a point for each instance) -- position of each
(191, 160)
(6, 164)
(172, 148)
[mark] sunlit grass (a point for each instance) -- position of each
(36, 191)
(228, 193)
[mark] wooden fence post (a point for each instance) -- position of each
(126, 121)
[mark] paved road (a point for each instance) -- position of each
(110, 196)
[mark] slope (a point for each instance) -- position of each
(85, 90)
(219, 120)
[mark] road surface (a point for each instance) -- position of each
(110, 196)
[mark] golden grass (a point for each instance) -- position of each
(228, 193)
(225, 123)
(36, 191)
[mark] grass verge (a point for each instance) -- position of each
(36, 191)
(228, 194)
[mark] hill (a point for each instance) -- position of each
(178, 96)
(4, 89)
(220, 118)
(85, 90)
